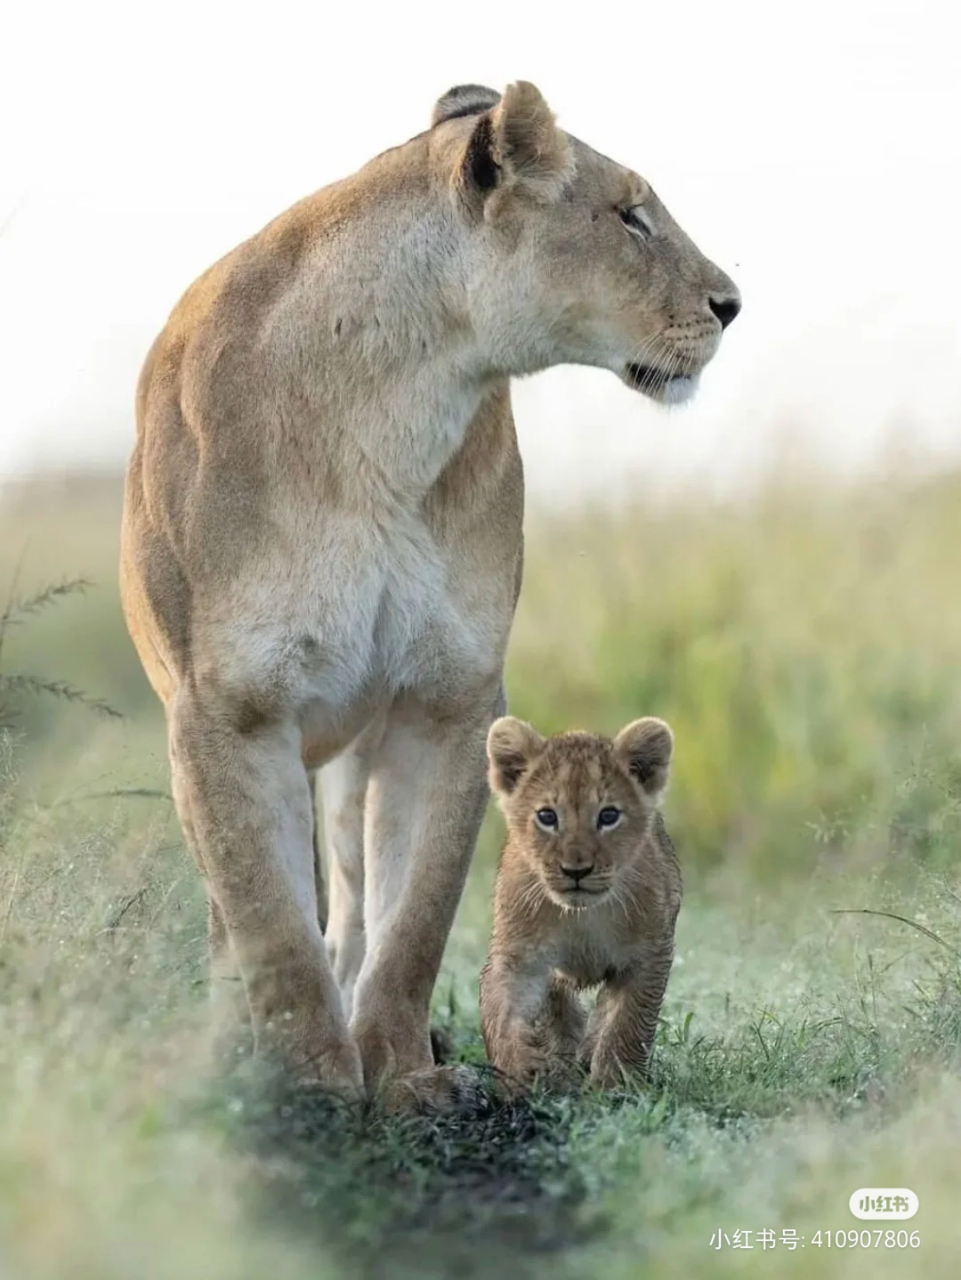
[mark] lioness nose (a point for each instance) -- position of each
(577, 874)
(725, 308)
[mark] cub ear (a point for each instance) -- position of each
(645, 748)
(463, 100)
(516, 144)
(511, 747)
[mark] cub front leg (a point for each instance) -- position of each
(564, 1021)
(622, 1027)
(514, 999)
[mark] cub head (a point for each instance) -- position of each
(571, 257)
(579, 807)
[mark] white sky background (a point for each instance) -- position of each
(811, 149)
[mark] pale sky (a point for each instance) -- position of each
(812, 150)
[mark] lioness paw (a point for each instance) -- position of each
(437, 1089)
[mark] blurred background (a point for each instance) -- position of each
(774, 569)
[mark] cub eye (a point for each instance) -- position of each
(637, 221)
(608, 817)
(547, 818)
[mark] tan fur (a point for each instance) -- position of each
(579, 905)
(321, 544)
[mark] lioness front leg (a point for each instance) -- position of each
(249, 806)
(343, 785)
(425, 801)
(622, 1026)
(231, 1036)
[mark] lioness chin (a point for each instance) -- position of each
(587, 894)
(321, 547)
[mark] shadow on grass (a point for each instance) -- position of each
(481, 1194)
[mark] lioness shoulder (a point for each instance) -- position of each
(587, 895)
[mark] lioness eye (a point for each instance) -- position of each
(608, 817)
(547, 818)
(637, 221)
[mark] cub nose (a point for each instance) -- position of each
(577, 874)
(725, 307)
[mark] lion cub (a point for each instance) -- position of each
(588, 890)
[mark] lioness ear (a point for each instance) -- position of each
(517, 144)
(463, 100)
(511, 746)
(645, 748)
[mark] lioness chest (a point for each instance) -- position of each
(345, 615)
(359, 610)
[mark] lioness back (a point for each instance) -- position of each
(587, 895)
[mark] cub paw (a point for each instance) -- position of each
(553, 1075)
(609, 1072)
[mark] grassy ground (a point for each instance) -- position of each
(805, 648)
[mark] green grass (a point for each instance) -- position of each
(805, 647)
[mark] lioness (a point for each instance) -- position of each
(588, 890)
(321, 546)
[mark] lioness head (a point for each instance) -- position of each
(579, 807)
(573, 258)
